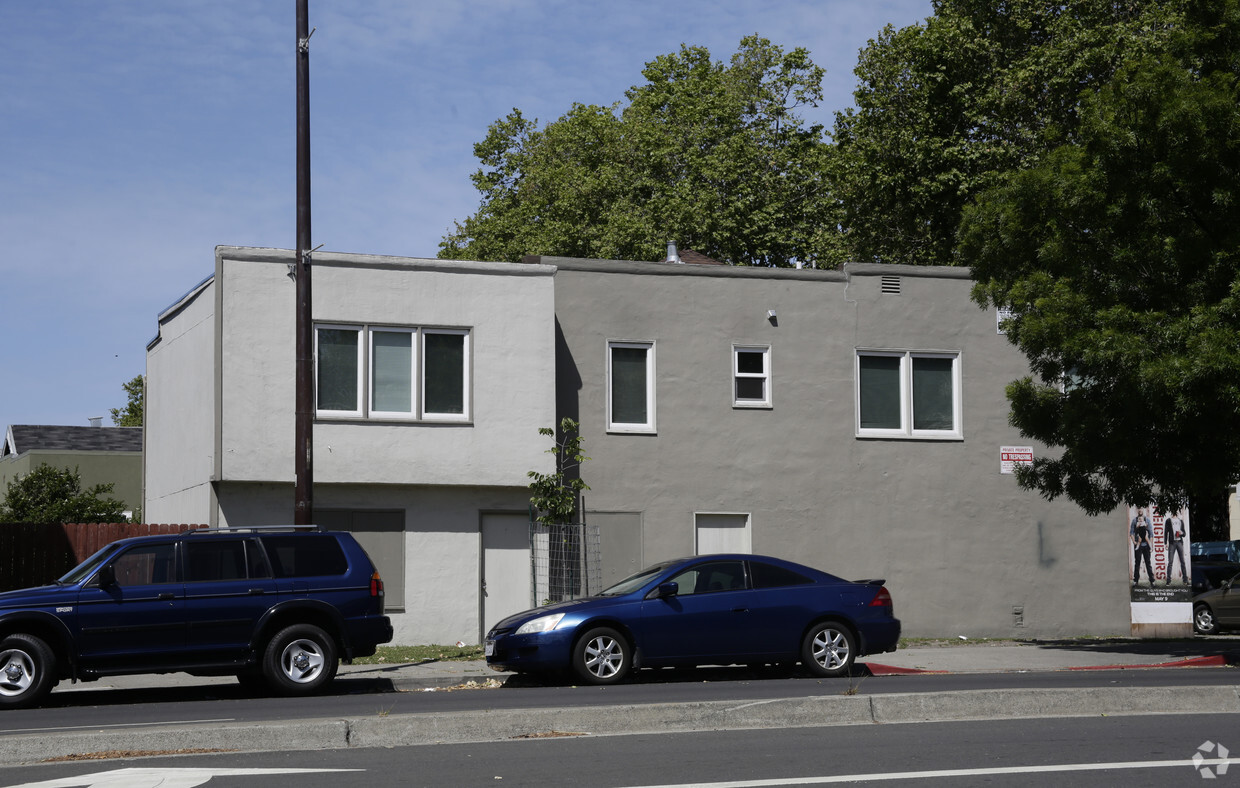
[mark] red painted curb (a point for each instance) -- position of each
(891, 670)
(1217, 661)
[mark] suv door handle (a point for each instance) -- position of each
(167, 595)
(256, 592)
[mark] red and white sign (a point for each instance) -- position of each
(1011, 456)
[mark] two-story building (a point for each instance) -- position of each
(433, 380)
(853, 420)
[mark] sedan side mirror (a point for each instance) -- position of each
(670, 588)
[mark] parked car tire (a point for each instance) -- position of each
(828, 649)
(601, 656)
(300, 660)
(27, 671)
(1204, 620)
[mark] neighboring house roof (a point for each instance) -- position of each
(22, 438)
(697, 258)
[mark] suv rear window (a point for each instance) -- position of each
(305, 555)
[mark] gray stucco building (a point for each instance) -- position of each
(852, 420)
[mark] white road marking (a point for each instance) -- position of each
(164, 778)
(115, 725)
(987, 772)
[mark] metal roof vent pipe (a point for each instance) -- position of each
(672, 255)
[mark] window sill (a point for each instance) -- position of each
(889, 436)
(392, 422)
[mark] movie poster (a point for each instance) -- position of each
(1158, 555)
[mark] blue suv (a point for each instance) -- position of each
(276, 607)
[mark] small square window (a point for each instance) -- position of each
(751, 376)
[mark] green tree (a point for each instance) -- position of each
(555, 496)
(55, 495)
(131, 414)
(712, 156)
(976, 91)
(1119, 255)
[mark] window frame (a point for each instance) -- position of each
(906, 430)
(360, 381)
(372, 390)
(367, 409)
(423, 413)
(650, 425)
(765, 376)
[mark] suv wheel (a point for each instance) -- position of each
(27, 668)
(300, 660)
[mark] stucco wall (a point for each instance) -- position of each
(507, 308)
(960, 544)
(180, 413)
(442, 582)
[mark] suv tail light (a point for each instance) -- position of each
(882, 598)
(376, 585)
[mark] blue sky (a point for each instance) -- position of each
(137, 135)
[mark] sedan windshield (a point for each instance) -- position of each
(636, 581)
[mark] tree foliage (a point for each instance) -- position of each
(712, 156)
(555, 496)
(978, 90)
(55, 495)
(131, 414)
(1119, 254)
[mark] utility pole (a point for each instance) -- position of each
(303, 510)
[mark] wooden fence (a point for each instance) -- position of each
(33, 554)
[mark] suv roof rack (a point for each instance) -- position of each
(248, 528)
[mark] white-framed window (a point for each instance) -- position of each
(445, 378)
(630, 387)
(908, 394)
(392, 372)
(751, 376)
(338, 367)
(393, 359)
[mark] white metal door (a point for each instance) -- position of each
(505, 566)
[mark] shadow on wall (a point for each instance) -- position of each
(1045, 559)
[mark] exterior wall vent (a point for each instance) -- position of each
(891, 285)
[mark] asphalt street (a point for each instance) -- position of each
(1153, 750)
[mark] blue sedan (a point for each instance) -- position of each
(703, 610)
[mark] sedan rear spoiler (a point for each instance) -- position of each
(871, 582)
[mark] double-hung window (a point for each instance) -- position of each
(630, 387)
(384, 372)
(751, 376)
(911, 394)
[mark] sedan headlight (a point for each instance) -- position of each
(541, 624)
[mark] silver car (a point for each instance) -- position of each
(1218, 608)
